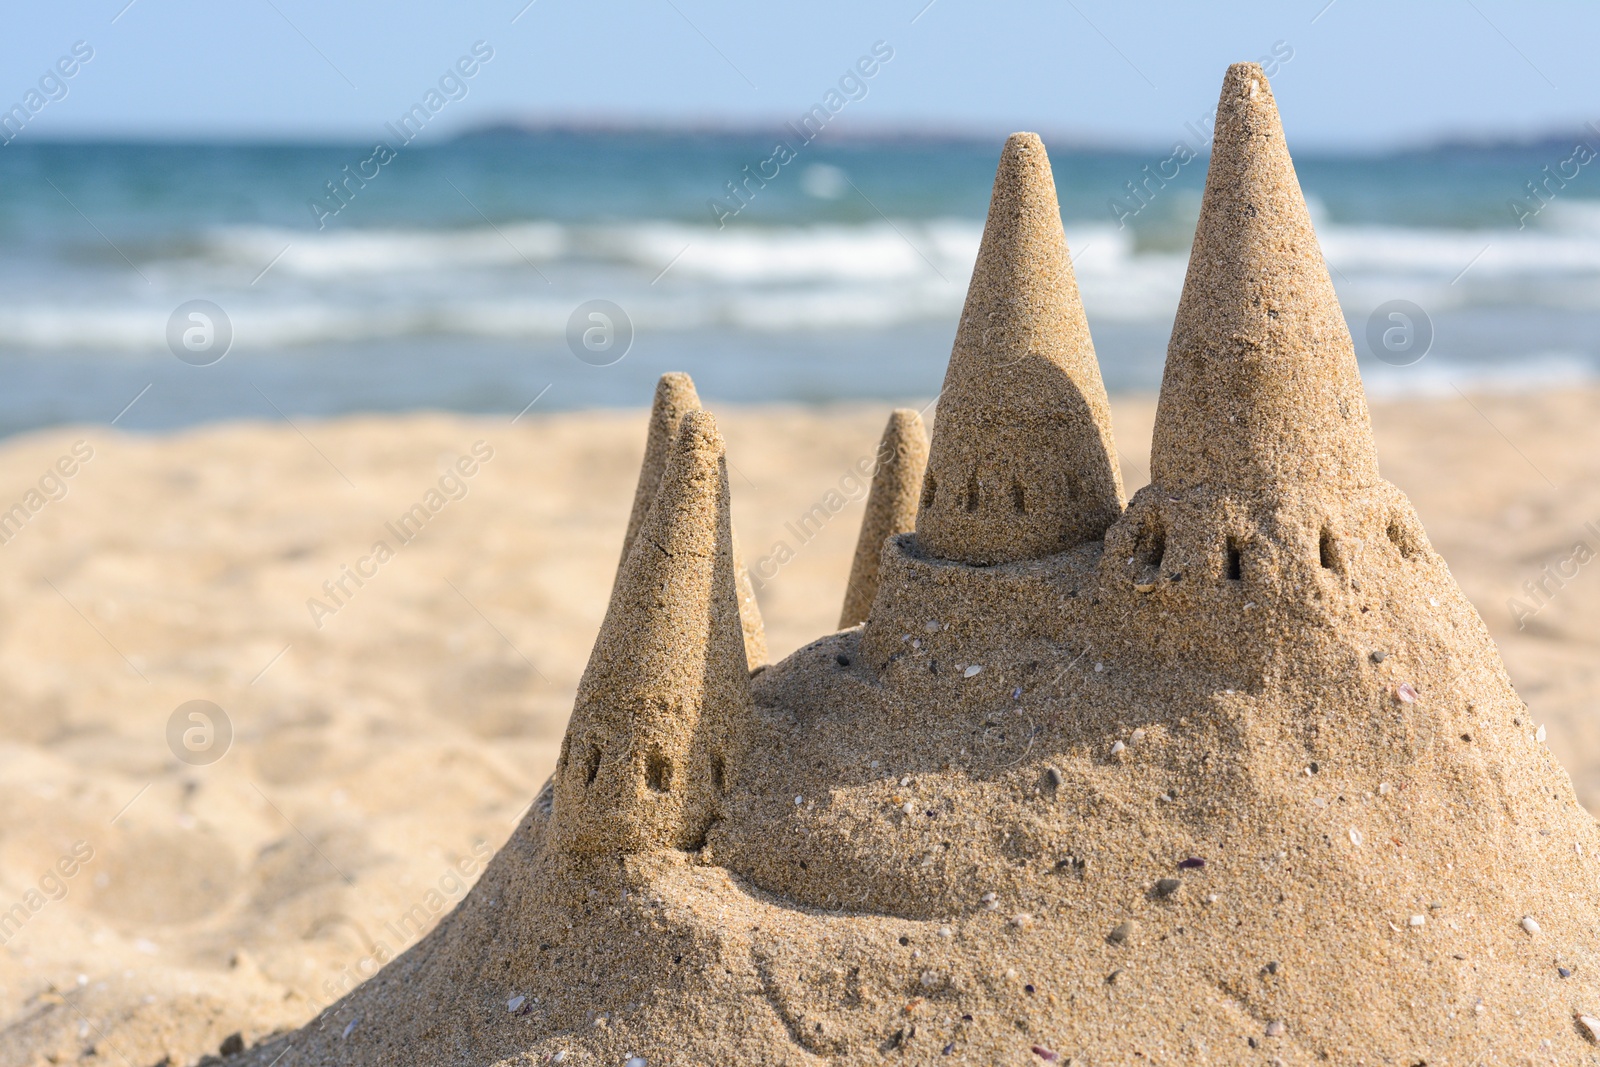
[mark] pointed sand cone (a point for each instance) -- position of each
(891, 507)
(675, 397)
(1261, 387)
(1022, 463)
(643, 764)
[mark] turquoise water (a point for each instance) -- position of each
(445, 277)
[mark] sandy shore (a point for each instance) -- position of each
(393, 710)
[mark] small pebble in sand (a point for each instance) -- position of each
(1355, 836)
(1591, 1025)
(1137, 736)
(516, 1002)
(1275, 1028)
(990, 901)
(1563, 972)
(1192, 863)
(559, 1057)
(1379, 656)
(1016, 694)
(1538, 735)
(1047, 1055)
(351, 1027)
(932, 626)
(1418, 920)
(972, 671)
(636, 1061)
(905, 781)
(1211, 898)
(1168, 886)
(1098, 667)
(1118, 748)
(1022, 921)
(1530, 925)
(944, 931)
(1383, 788)
(908, 807)
(1122, 932)
(1405, 694)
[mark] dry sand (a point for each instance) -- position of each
(407, 736)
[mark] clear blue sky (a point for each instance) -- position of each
(1363, 73)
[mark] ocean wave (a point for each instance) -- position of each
(1443, 377)
(284, 287)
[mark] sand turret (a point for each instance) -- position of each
(645, 760)
(891, 507)
(1261, 387)
(1022, 465)
(675, 397)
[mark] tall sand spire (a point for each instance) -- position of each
(1022, 463)
(1261, 386)
(645, 759)
(675, 397)
(891, 507)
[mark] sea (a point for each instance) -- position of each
(513, 270)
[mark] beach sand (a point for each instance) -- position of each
(380, 758)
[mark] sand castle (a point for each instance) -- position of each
(1230, 775)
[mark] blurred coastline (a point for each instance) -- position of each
(448, 276)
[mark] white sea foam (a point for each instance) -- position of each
(1439, 376)
(286, 287)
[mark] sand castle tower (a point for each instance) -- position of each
(891, 507)
(1233, 777)
(1265, 501)
(1022, 464)
(645, 760)
(1261, 388)
(675, 397)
